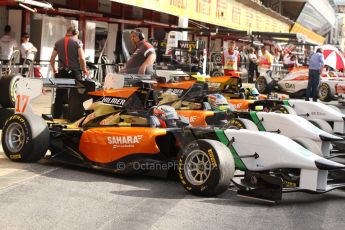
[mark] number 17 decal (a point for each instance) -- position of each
(21, 103)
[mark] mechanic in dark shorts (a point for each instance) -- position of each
(71, 60)
(141, 61)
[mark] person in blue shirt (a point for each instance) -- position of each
(316, 64)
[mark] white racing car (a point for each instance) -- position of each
(295, 127)
(203, 166)
(327, 117)
(295, 83)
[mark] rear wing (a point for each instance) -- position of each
(29, 88)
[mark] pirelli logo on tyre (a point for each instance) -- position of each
(17, 117)
(15, 156)
(212, 158)
(237, 123)
(180, 165)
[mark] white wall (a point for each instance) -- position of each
(203, 38)
(90, 40)
(3, 19)
(183, 22)
(325, 8)
(112, 37)
(15, 21)
(53, 29)
(216, 45)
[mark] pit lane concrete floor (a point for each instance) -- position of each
(54, 196)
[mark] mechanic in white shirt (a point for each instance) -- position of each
(7, 45)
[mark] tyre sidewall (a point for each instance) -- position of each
(328, 92)
(213, 179)
(217, 58)
(36, 138)
(20, 155)
(216, 73)
(236, 123)
(7, 88)
(12, 90)
(329, 95)
(5, 114)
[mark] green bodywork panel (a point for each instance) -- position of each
(286, 102)
(256, 120)
(238, 162)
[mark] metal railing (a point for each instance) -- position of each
(27, 68)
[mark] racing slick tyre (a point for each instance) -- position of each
(8, 87)
(326, 92)
(217, 58)
(241, 123)
(4, 115)
(263, 84)
(216, 73)
(25, 138)
(284, 109)
(206, 167)
(321, 124)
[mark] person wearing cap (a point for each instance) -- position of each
(143, 57)
(71, 64)
(231, 58)
(7, 45)
(316, 64)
